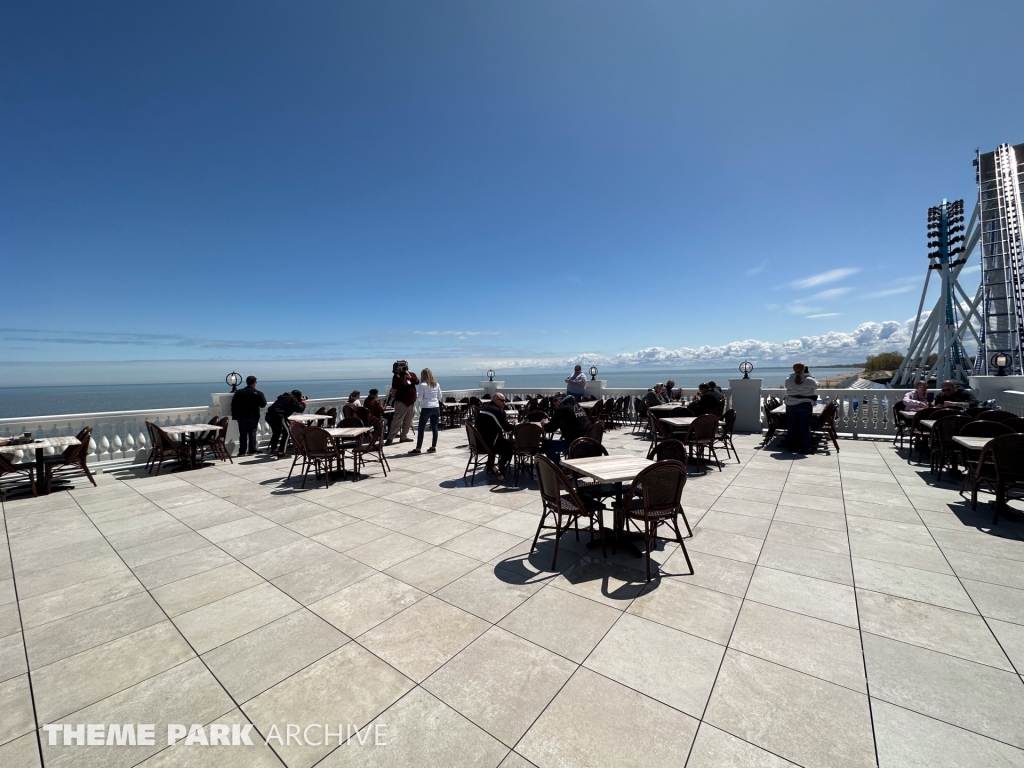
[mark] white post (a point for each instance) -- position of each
(490, 387)
(222, 406)
(594, 387)
(988, 387)
(746, 400)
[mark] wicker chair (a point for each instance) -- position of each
(536, 416)
(1004, 470)
(669, 450)
(295, 430)
(596, 431)
(347, 411)
(917, 433)
(362, 413)
(898, 421)
(654, 499)
(477, 447)
(214, 441)
(565, 505)
(944, 450)
(776, 421)
(724, 435)
(823, 428)
(979, 428)
(700, 439)
(333, 414)
(527, 438)
(658, 432)
(7, 467)
(976, 411)
(74, 459)
(371, 449)
(997, 416)
(321, 454)
(1016, 424)
(585, 448)
(165, 448)
(639, 414)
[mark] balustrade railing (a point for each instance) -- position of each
(1011, 400)
(861, 411)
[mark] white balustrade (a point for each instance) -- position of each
(1011, 400)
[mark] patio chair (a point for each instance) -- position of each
(776, 422)
(347, 411)
(214, 441)
(73, 459)
(298, 446)
(526, 438)
(654, 499)
(321, 453)
(997, 416)
(7, 467)
(561, 501)
(917, 433)
(976, 411)
(370, 448)
(1004, 470)
(680, 411)
(536, 416)
(333, 414)
(979, 428)
(585, 448)
(596, 431)
(1016, 423)
(700, 440)
(944, 450)
(669, 450)
(165, 448)
(640, 414)
(477, 446)
(899, 423)
(658, 432)
(724, 435)
(363, 414)
(824, 426)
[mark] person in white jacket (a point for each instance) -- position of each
(428, 392)
(801, 396)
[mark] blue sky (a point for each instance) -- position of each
(473, 184)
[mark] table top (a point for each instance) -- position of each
(927, 423)
(664, 408)
(588, 404)
(678, 421)
(972, 443)
(609, 469)
(347, 431)
(187, 429)
(307, 417)
(817, 409)
(43, 442)
(455, 405)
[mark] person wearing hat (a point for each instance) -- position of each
(572, 420)
(277, 417)
(374, 405)
(656, 395)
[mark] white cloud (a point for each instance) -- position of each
(888, 292)
(835, 346)
(758, 269)
(824, 314)
(460, 334)
(822, 278)
(831, 293)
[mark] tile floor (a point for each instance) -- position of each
(845, 611)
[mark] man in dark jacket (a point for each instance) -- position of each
(656, 395)
(951, 392)
(572, 420)
(493, 426)
(403, 384)
(709, 400)
(277, 418)
(245, 409)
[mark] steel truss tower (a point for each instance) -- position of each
(955, 315)
(1000, 182)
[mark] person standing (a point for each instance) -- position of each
(245, 409)
(576, 385)
(801, 396)
(428, 392)
(277, 418)
(403, 383)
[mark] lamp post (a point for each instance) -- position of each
(1000, 360)
(593, 373)
(490, 374)
(745, 368)
(233, 380)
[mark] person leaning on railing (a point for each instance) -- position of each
(801, 395)
(277, 417)
(917, 399)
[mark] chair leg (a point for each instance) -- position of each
(558, 536)
(540, 527)
(682, 545)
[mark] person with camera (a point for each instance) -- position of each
(403, 384)
(277, 417)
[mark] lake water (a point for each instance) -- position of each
(43, 401)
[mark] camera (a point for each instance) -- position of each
(399, 367)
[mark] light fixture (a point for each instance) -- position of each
(745, 368)
(490, 374)
(1001, 361)
(233, 380)
(593, 372)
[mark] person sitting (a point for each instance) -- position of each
(571, 420)
(709, 400)
(801, 394)
(670, 385)
(353, 399)
(917, 399)
(954, 393)
(375, 407)
(493, 426)
(656, 395)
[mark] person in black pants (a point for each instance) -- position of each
(492, 423)
(245, 409)
(572, 420)
(277, 418)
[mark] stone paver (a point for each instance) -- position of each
(846, 610)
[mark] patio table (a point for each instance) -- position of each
(340, 434)
(664, 409)
(190, 431)
(971, 443)
(38, 445)
(308, 418)
(817, 410)
(616, 470)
